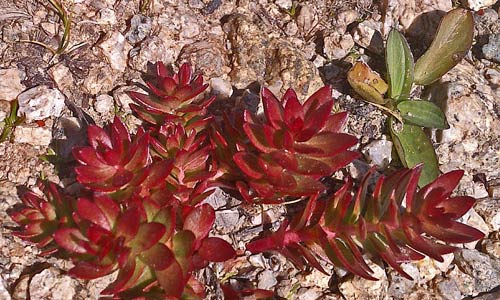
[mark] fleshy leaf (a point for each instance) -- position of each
(367, 83)
(451, 43)
(216, 250)
(399, 62)
(422, 113)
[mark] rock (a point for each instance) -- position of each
(489, 296)
(491, 50)
(359, 288)
(284, 4)
(36, 136)
(493, 76)
(10, 84)
(116, 49)
(104, 104)
(492, 246)
(4, 293)
(62, 76)
(448, 289)
(190, 27)
(309, 293)
(291, 28)
(50, 284)
(266, 280)
(207, 57)
(227, 220)
(379, 153)
(399, 287)
(344, 19)
(417, 18)
(484, 270)
(107, 16)
(428, 268)
(275, 62)
(248, 55)
(473, 219)
(100, 80)
(489, 209)
(40, 103)
(289, 68)
(338, 45)
(367, 35)
(478, 4)
(151, 50)
(221, 87)
(140, 26)
(307, 19)
(474, 125)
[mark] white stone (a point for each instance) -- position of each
(116, 49)
(10, 84)
(190, 27)
(103, 104)
(267, 280)
(478, 4)
(221, 87)
(285, 4)
(379, 153)
(40, 103)
(4, 293)
(368, 36)
(36, 136)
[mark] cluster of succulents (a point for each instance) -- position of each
(141, 210)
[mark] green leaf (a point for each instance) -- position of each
(414, 147)
(452, 41)
(367, 83)
(423, 113)
(399, 62)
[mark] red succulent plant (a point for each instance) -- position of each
(141, 213)
(155, 254)
(173, 98)
(193, 172)
(296, 144)
(113, 160)
(379, 222)
(42, 214)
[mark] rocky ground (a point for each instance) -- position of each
(240, 46)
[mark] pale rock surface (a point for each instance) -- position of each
(40, 102)
(116, 49)
(50, 284)
(379, 152)
(367, 35)
(483, 270)
(152, 49)
(338, 45)
(10, 84)
(36, 136)
(489, 209)
(359, 288)
(103, 104)
(478, 4)
(62, 76)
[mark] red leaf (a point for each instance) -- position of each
(70, 239)
(216, 250)
(326, 144)
(336, 122)
(128, 224)
(88, 174)
(248, 162)
(98, 137)
(125, 278)
(87, 270)
(108, 207)
(184, 74)
(256, 135)
(91, 212)
(148, 235)
(158, 257)
(294, 114)
(171, 279)
(200, 220)
(456, 233)
(272, 109)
